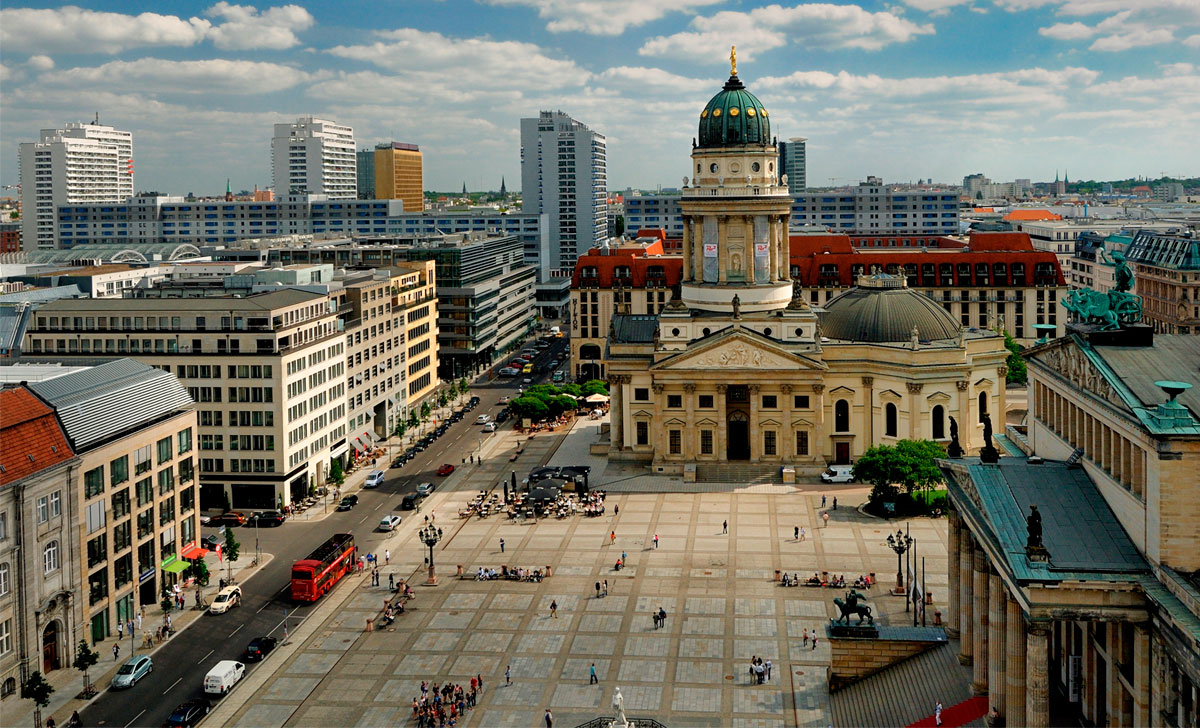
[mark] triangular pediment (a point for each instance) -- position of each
(801, 422)
(738, 348)
(707, 421)
(938, 397)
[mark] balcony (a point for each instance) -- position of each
(741, 190)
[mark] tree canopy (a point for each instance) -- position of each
(907, 465)
(594, 386)
(1016, 362)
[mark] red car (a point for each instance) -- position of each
(445, 469)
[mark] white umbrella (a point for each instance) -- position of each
(597, 398)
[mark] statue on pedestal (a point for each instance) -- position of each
(1033, 524)
(955, 448)
(737, 306)
(618, 702)
(989, 453)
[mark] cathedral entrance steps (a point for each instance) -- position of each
(745, 473)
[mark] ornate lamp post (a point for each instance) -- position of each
(900, 544)
(430, 535)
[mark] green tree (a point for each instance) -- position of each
(877, 466)
(336, 473)
(442, 398)
(426, 410)
(39, 691)
(907, 466)
(594, 386)
(620, 224)
(1016, 363)
(85, 659)
(199, 571)
(401, 428)
(572, 389)
(917, 460)
(529, 407)
(232, 549)
(168, 598)
(413, 420)
(464, 386)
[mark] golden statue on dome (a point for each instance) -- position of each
(732, 60)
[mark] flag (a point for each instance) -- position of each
(219, 550)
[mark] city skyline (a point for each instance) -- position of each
(928, 88)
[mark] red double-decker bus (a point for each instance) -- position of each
(321, 570)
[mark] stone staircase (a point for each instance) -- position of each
(741, 473)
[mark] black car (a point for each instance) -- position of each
(500, 418)
(474, 401)
(347, 502)
(259, 648)
(411, 502)
(398, 462)
(210, 542)
(188, 714)
(266, 518)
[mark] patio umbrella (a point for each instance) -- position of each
(596, 398)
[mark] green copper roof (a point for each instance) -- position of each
(734, 117)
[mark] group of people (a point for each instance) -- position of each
(515, 574)
(660, 618)
(760, 670)
(392, 609)
(837, 581)
(441, 706)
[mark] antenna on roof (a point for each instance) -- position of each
(97, 119)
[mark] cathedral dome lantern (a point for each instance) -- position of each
(734, 116)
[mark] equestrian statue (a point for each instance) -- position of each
(851, 606)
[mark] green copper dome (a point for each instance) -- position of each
(734, 117)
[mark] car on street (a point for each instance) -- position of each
(489, 427)
(229, 518)
(445, 469)
(226, 599)
(389, 522)
(411, 502)
(527, 380)
(210, 541)
(500, 418)
(259, 648)
(483, 419)
(347, 502)
(509, 371)
(425, 489)
(398, 461)
(267, 518)
(224, 675)
(558, 377)
(134, 669)
(474, 400)
(374, 479)
(505, 399)
(188, 713)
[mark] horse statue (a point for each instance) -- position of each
(1092, 307)
(851, 606)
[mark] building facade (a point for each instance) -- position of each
(793, 161)
(654, 212)
(1167, 277)
(873, 208)
(365, 171)
(10, 237)
(79, 163)
(314, 156)
(399, 175)
(564, 175)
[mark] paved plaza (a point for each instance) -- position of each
(718, 589)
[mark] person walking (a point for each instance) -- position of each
(656, 540)
(120, 629)
(593, 679)
(617, 509)
(654, 617)
(549, 719)
(796, 533)
(937, 713)
(508, 675)
(597, 590)
(501, 545)
(814, 636)
(554, 609)
(802, 535)
(806, 636)
(624, 558)
(662, 617)
(835, 503)
(822, 500)
(387, 557)
(612, 539)
(725, 526)
(767, 665)
(116, 652)
(391, 582)
(825, 517)
(606, 587)
(139, 621)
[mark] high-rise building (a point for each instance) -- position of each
(564, 174)
(399, 175)
(77, 163)
(366, 173)
(315, 156)
(793, 162)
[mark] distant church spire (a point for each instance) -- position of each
(228, 191)
(503, 190)
(464, 188)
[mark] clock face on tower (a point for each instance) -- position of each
(713, 168)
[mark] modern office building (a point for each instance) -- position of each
(79, 163)
(873, 208)
(654, 212)
(272, 402)
(10, 237)
(399, 175)
(793, 161)
(979, 187)
(365, 171)
(111, 280)
(1167, 276)
(314, 156)
(564, 174)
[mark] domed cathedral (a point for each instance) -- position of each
(738, 367)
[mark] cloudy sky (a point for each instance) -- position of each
(908, 89)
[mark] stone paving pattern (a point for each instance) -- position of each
(718, 589)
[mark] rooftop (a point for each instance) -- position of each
(1173, 357)
(257, 301)
(31, 439)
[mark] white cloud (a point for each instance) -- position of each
(1128, 25)
(1068, 31)
(1135, 38)
(245, 27)
(603, 17)
(40, 63)
(935, 7)
(1192, 41)
(71, 29)
(819, 25)
(155, 75)
(652, 79)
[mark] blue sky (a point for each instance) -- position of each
(905, 90)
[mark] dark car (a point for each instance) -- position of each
(474, 401)
(188, 714)
(500, 418)
(347, 502)
(267, 518)
(411, 502)
(398, 462)
(259, 648)
(229, 518)
(210, 541)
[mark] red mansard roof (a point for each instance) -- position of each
(31, 438)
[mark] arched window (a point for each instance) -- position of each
(3, 578)
(983, 400)
(890, 417)
(590, 351)
(10, 687)
(939, 422)
(841, 416)
(50, 557)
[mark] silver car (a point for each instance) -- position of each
(134, 669)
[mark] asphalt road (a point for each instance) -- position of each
(181, 664)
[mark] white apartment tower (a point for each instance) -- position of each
(315, 156)
(80, 163)
(564, 174)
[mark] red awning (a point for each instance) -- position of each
(194, 552)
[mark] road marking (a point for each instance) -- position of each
(364, 518)
(202, 659)
(172, 685)
(236, 630)
(139, 715)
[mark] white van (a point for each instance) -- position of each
(838, 474)
(224, 675)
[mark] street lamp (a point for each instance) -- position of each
(430, 535)
(900, 544)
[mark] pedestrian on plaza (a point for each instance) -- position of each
(753, 664)
(825, 517)
(597, 590)
(796, 533)
(549, 719)
(814, 636)
(612, 538)
(391, 582)
(501, 545)
(806, 636)
(479, 677)
(654, 617)
(822, 500)
(759, 672)
(624, 557)
(656, 540)
(937, 713)
(139, 620)
(508, 675)
(835, 503)
(616, 510)
(554, 609)
(387, 557)
(802, 535)
(662, 617)
(593, 679)
(116, 652)
(767, 665)
(120, 630)
(606, 587)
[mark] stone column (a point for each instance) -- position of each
(787, 448)
(658, 433)
(1158, 677)
(979, 593)
(869, 408)
(997, 635)
(1001, 417)
(690, 445)
(914, 419)
(1142, 676)
(780, 241)
(1014, 677)
(1037, 675)
(819, 446)
(966, 599)
(953, 529)
(722, 443)
(688, 258)
(755, 432)
(616, 435)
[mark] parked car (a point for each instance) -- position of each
(483, 419)
(259, 648)
(509, 371)
(411, 502)
(210, 541)
(445, 469)
(527, 380)
(205, 520)
(267, 518)
(389, 522)
(489, 427)
(505, 399)
(188, 713)
(134, 669)
(347, 502)
(398, 461)
(374, 479)
(838, 474)
(425, 489)
(226, 599)
(501, 417)
(229, 518)
(224, 675)
(558, 377)
(474, 400)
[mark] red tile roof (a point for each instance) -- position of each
(1032, 215)
(31, 438)
(605, 267)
